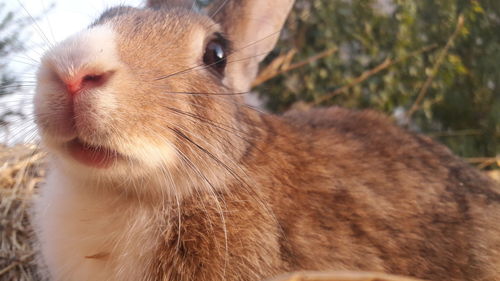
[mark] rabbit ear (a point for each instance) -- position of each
(155, 4)
(253, 27)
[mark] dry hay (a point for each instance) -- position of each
(21, 170)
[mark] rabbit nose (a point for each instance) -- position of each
(86, 81)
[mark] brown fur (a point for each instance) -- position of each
(259, 195)
(346, 198)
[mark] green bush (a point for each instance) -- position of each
(461, 106)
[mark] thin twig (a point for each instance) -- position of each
(423, 91)
(479, 160)
(484, 162)
(488, 163)
(272, 70)
(369, 73)
(276, 65)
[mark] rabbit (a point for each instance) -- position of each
(159, 171)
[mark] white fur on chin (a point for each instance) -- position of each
(87, 235)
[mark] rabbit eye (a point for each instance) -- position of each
(215, 55)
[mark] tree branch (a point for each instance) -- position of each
(423, 91)
(282, 64)
(388, 62)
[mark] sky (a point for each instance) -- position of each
(64, 17)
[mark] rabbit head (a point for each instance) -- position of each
(141, 91)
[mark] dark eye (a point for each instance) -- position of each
(215, 55)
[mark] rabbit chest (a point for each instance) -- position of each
(87, 235)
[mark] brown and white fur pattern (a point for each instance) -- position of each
(206, 188)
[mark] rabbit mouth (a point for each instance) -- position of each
(91, 155)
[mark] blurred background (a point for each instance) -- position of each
(434, 66)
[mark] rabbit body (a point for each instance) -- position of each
(346, 196)
(342, 196)
(149, 184)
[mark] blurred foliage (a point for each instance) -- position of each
(462, 105)
(10, 43)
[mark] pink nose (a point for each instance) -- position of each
(86, 81)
